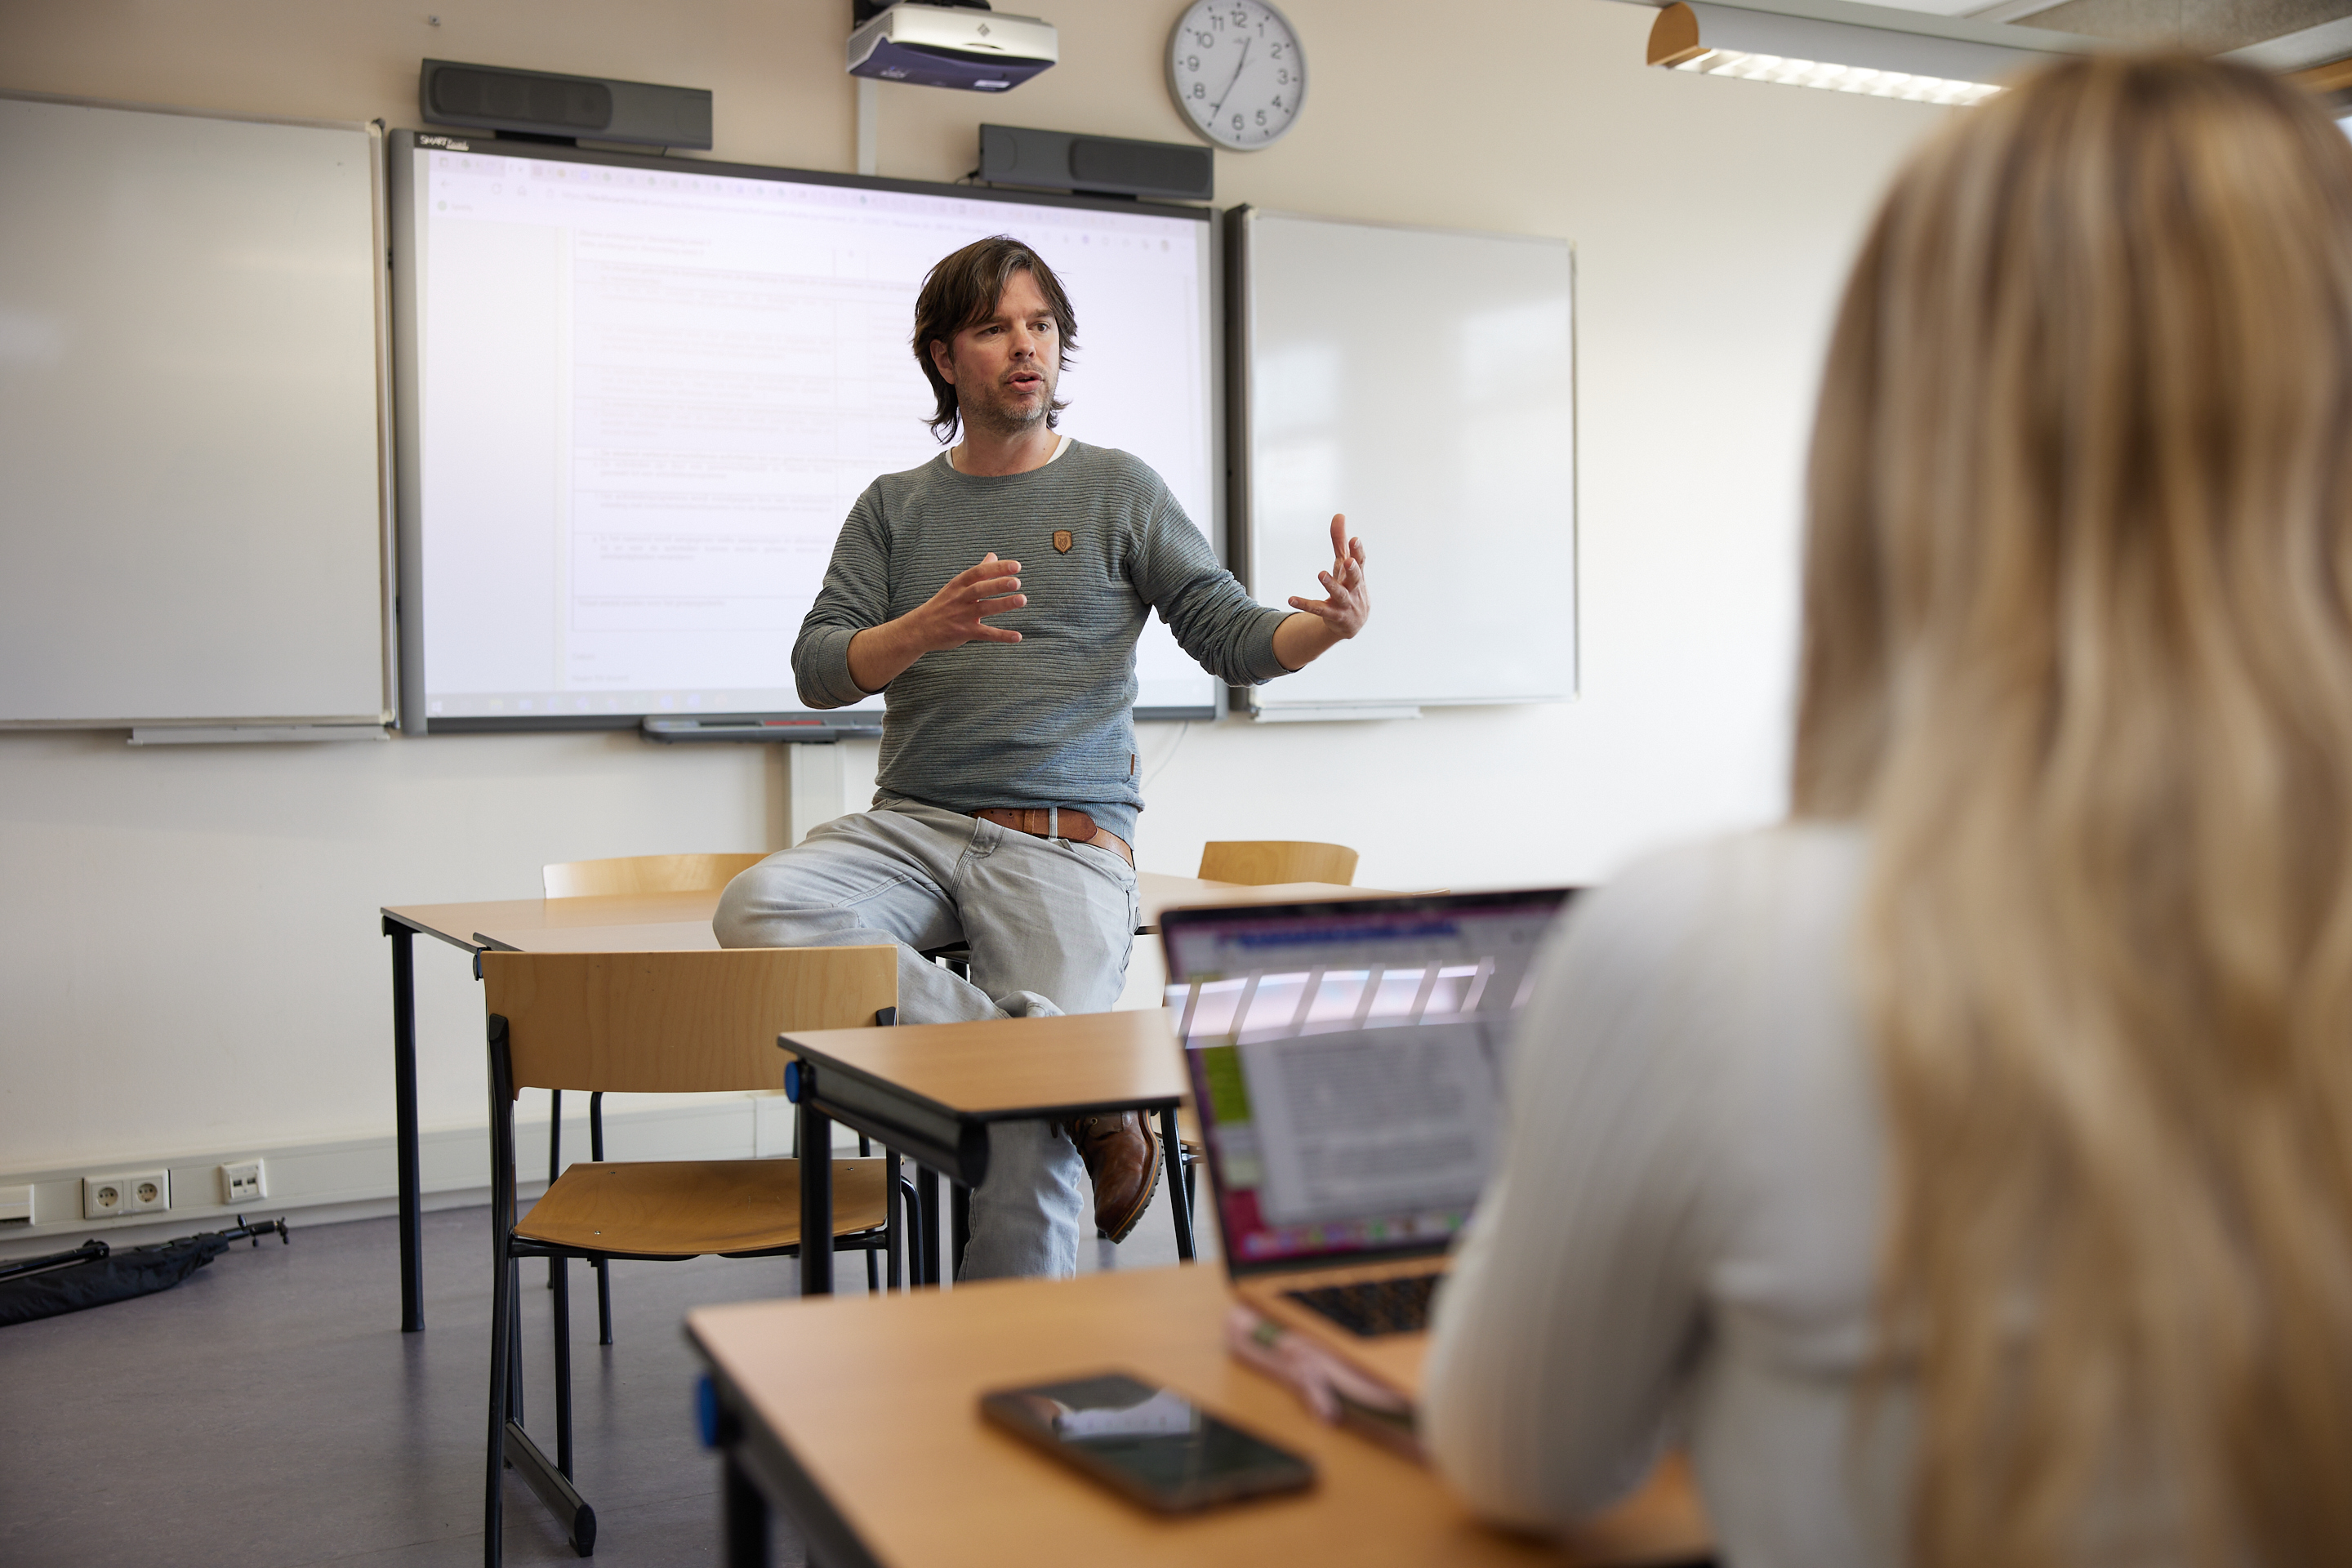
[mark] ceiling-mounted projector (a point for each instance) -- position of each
(952, 46)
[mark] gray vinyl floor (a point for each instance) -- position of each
(268, 1412)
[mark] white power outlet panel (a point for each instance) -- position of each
(133, 1192)
(245, 1182)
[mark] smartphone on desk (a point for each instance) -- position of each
(1149, 1443)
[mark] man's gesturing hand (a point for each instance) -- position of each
(956, 614)
(1325, 623)
(1350, 603)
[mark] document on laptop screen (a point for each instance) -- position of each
(1371, 1121)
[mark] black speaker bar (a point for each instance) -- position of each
(1110, 166)
(563, 108)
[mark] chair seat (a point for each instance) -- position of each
(686, 1208)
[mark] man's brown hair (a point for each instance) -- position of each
(961, 291)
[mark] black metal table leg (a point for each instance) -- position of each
(817, 1200)
(1179, 1202)
(745, 1513)
(927, 1189)
(404, 1101)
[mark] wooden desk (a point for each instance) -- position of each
(858, 1416)
(625, 923)
(930, 1090)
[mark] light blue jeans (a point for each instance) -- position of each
(1049, 924)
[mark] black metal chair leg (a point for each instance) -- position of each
(603, 1265)
(894, 1229)
(873, 1279)
(960, 1218)
(554, 1161)
(911, 1227)
(514, 1338)
(562, 1305)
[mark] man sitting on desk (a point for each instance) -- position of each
(1007, 796)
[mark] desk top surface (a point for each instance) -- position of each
(511, 919)
(1012, 1067)
(568, 924)
(876, 1399)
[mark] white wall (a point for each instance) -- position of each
(189, 952)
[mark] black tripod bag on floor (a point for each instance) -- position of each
(94, 1274)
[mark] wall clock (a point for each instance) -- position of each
(1235, 68)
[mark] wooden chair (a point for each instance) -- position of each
(1260, 862)
(655, 1023)
(644, 874)
(625, 874)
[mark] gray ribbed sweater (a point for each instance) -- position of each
(1045, 721)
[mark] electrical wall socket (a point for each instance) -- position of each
(133, 1192)
(243, 1183)
(102, 1197)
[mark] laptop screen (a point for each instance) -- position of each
(1346, 1064)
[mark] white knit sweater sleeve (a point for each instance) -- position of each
(1577, 1299)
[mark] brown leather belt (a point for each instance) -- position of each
(1056, 822)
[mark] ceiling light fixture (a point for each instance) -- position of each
(1872, 50)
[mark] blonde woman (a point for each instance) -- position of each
(1963, 1170)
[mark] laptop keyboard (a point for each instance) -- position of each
(1370, 1308)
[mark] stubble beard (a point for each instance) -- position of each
(988, 415)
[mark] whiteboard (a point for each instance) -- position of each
(193, 483)
(1423, 381)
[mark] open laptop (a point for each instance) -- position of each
(1346, 1064)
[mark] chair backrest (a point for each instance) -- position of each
(1260, 862)
(686, 1022)
(644, 874)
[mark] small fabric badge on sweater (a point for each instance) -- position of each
(1062, 540)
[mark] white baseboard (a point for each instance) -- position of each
(355, 1178)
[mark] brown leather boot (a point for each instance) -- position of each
(1123, 1162)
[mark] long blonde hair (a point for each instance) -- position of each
(2078, 652)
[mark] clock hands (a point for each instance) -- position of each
(1239, 65)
